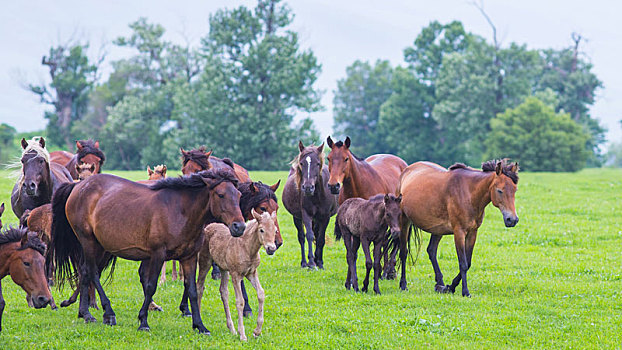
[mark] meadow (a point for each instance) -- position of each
(554, 281)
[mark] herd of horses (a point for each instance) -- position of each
(76, 221)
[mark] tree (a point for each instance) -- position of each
(538, 138)
(7, 134)
(73, 77)
(357, 104)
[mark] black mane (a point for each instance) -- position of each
(195, 181)
(12, 234)
(198, 156)
(250, 199)
(88, 147)
(458, 166)
(506, 169)
(339, 144)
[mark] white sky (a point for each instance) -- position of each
(338, 32)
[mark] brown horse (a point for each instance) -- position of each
(197, 160)
(445, 202)
(240, 258)
(85, 170)
(1, 212)
(88, 152)
(21, 256)
(104, 217)
(158, 172)
(38, 178)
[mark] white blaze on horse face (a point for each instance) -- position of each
(308, 159)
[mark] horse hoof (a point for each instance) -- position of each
(377, 291)
(247, 313)
(364, 289)
(89, 319)
(144, 328)
(403, 286)
(216, 276)
(65, 303)
(243, 338)
(202, 330)
(110, 320)
(256, 333)
(186, 313)
(303, 264)
(440, 289)
(466, 295)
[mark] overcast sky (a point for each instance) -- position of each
(338, 31)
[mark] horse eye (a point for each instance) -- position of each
(263, 209)
(261, 230)
(345, 160)
(26, 263)
(499, 191)
(221, 195)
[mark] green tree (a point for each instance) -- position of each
(538, 138)
(73, 76)
(357, 104)
(7, 134)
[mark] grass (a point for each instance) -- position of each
(553, 281)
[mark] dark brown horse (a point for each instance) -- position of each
(197, 160)
(452, 202)
(88, 152)
(362, 222)
(21, 256)
(38, 178)
(306, 196)
(105, 216)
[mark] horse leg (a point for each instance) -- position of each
(261, 297)
(174, 273)
(356, 242)
(347, 241)
(205, 264)
(460, 242)
(378, 245)
(308, 222)
(469, 244)
(320, 241)
(215, 272)
(239, 304)
(92, 298)
(72, 299)
(368, 262)
(301, 240)
(163, 274)
(432, 249)
(149, 271)
(248, 312)
(404, 237)
(2, 304)
(189, 266)
(224, 296)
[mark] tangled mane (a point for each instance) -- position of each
(88, 147)
(198, 156)
(13, 234)
(295, 163)
(506, 168)
(196, 181)
(251, 199)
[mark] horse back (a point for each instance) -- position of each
(389, 169)
(59, 174)
(61, 157)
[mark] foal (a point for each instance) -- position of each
(239, 257)
(366, 221)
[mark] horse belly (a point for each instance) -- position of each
(424, 202)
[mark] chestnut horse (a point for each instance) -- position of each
(306, 196)
(21, 256)
(38, 178)
(158, 172)
(445, 202)
(197, 159)
(104, 217)
(88, 152)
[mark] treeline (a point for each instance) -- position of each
(459, 97)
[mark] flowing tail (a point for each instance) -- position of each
(394, 244)
(64, 249)
(337, 231)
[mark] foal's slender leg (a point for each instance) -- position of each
(205, 264)
(404, 237)
(301, 240)
(239, 303)
(320, 241)
(261, 297)
(224, 296)
(248, 312)
(308, 222)
(189, 266)
(356, 242)
(368, 262)
(378, 245)
(347, 241)
(432, 249)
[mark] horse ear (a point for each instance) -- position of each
(163, 169)
(24, 239)
(347, 142)
(255, 214)
(386, 197)
(320, 148)
(24, 143)
(498, 168)
(78, 145)
(208, 153)
(149, 171)
(97, 144)
(253, 188)
(275, 186)
(399, 198)
(92, 168)
(514, 167)
(1, 209)
(301, 147)
(182, 150)
(329, 142)
(42, 142)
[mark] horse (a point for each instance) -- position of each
(21, 256)
(197, 160)
(362, 221)
(240, 258)
(452, 201)
(105, 217)
(38, 178)
(1, 212)
(158, 172)
(376, 174)
(307, 197)
(88, 152)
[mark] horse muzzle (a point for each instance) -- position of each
(334, 189)
(270, 249)
(308, 190)
(40, 301)
(31, 188)
(237, 228)
(510, 220)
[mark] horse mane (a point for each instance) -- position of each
(295, 163)
(250, 199)
(88, 147)
(158, 168)
(460, 166)
(13, 234)
(506, 168)
(195, 181)
(339, 144)
(198, 156)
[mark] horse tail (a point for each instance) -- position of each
(337, 230)
(64, 249)
(414, 232)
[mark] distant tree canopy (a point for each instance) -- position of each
(440, 106)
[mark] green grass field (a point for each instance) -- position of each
(554, 281)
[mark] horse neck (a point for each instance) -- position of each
(250, 238)
(199, 202)
(6, 250)
(353, 185)
(480, 189)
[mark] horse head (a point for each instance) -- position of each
(90, 154)
(267, 230)
(308, 166)
(195, 160)
(503, 189)
(27, 269)
(35, 166)
(158, 172)
(85, 170)
(339, 160)
(224, 200)
(392, 211)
